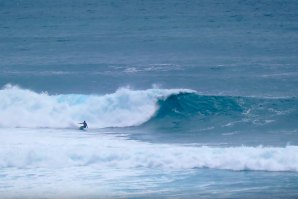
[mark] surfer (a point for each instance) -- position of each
(84, 125)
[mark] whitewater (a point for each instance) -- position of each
(106, 152)
(123, 108)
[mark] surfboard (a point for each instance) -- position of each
(82, 128)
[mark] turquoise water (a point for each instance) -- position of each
(183, 99)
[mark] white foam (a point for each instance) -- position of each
(126, 107)
(57, 149)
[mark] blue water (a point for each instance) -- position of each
(183, 99)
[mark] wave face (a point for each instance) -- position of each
(188, 105)
(191, 111)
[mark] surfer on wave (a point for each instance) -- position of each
(84, 125)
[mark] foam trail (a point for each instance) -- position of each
(25, 108)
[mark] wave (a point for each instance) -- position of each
(152, 107)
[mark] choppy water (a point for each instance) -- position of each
(183, 99)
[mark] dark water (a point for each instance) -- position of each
(235, 47)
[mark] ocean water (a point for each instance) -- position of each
(183, 99)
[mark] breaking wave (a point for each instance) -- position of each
(25, 108)
(126, 107)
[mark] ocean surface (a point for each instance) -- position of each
(183, 99)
